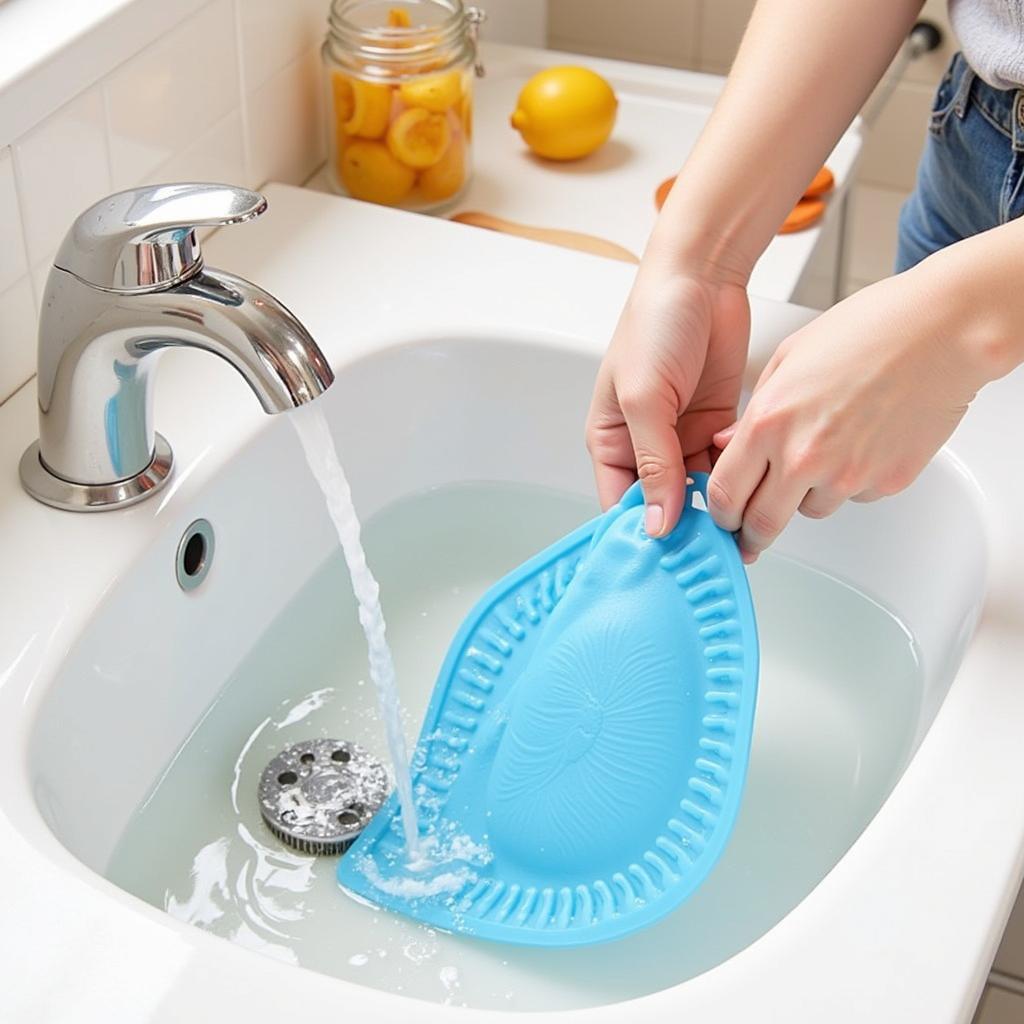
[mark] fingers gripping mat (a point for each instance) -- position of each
(583, 755)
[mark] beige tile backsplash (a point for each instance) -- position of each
(652, 31)
(721, 27)
(1010, 958)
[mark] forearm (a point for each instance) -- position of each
(802, 73)
(973, 294)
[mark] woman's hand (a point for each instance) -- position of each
(670, 379)
(852, 406)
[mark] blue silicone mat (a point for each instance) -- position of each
(582, 759)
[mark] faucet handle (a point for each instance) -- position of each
(144, 239)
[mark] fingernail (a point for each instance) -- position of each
(654, 519)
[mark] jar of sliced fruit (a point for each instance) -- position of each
(399, 80)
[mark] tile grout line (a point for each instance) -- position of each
(696, 52)
(243, 97)
(19, 195)
(105, 105)
(1006, 982)
(36, 298)
(16, 175)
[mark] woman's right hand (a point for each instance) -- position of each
(669, 381)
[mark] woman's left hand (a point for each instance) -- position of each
(852, 406)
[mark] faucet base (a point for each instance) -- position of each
(58, 493)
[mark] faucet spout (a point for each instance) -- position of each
(96, 364)
(246, 326)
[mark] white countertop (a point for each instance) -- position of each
(611, 192)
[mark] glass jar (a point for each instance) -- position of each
(399, 80)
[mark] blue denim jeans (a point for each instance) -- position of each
(969, 178)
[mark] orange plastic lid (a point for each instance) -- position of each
(662, 191)
(806, 212)
(823, 183)
(803, 215)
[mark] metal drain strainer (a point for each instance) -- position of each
(318, 795)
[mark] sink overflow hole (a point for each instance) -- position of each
(195, 555)
(195, 552)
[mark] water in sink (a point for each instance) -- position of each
(839, 697)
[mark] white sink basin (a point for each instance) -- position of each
(881, 836)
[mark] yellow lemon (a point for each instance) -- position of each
(436, 93)
(371, 109)
(369, 171)
(565, 112)
(419, 138)
(446, 177)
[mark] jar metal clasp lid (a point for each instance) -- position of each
(475, 17)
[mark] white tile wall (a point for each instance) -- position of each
(286, 128)
(217, 154)
(273, 34)
(17, 335)
(230, 93)
(13, 259)
(172, 91)
(61, 167)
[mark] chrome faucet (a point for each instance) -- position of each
(127, 282)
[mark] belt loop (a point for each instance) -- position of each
(963, 90)
(1017, 119)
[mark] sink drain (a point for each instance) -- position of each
(318, 795)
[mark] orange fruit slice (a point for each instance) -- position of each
(803, 215)
(398, 17)
(371, 109)
(344, 97)
(436, 93)
(823, 183)
(419, 138)
(466, 113)
(446, 177)
(369, 171)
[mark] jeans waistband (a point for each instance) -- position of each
(1003, 108)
